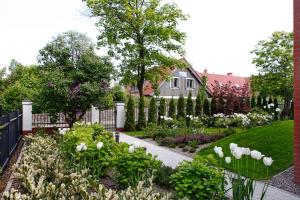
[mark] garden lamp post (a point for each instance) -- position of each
(297, 91)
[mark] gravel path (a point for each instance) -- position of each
(284, 181)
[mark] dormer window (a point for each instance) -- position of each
(175, 83)
(190, 83)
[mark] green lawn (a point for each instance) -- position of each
(136, 133)
(275, 140)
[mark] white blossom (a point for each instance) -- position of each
(256, 155)
(268, 161)
(228, 160)
(131, 149)
(99, 145)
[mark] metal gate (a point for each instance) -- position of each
(107, 118)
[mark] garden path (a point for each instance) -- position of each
(172, 159)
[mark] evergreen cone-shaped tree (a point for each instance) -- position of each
(152, 113)
(172, 111)
(141, 117)
(180, 107)
(275, 107)
(161, 110)
(190, 105)
(270, 100)
(198, 106)
(264, 104)
(258, 103)
(292, 111)
(206, 107)
(253, 102)
(130, 117)
(213, 106)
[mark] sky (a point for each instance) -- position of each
(220, 33)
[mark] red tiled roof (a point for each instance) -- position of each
(235, 80)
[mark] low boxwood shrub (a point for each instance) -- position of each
(163, 176)
(132, 167)
(192, 150)
(198, 179)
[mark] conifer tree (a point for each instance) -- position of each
(161, 110)
(130, 116)
(141, 117)
(180, 107)
(190, 105)
(213, 106)
(265, 105)
(172, 111)
(259, 103)
(206, 106)
(253, 102)
(270, 100)
(275, 107)
(152, 112)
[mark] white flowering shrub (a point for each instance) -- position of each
(43, 176)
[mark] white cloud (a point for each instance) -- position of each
(220, 34)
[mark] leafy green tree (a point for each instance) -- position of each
(274, 61)
(118, 94)
(152, 113)
(206, 107)
(141, 117)
(130, 115)
(74, 77)
(140, 34)
(172, 109)
(259, 103)
(180, 107)
(161, 110)
(253, 102)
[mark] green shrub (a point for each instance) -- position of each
(172, 145)
(130, 116)
(172, 109)
(192, 150)
(185, 149)
(198, 106)
(189, 105)
(161, 110)
(152, 113)
(167, 141)
(206, 107)
(141, 117)
(180, 107)
(198, 179)
(265, 104)
(181, 145)
(193, 144)
(213, 106)
(163, 176)
(229, 131)
(275, 107)
(130, 168)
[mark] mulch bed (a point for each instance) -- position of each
(5, 176)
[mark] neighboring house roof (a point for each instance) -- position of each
(223, 79)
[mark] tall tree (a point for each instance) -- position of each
(180, 107)
(74, 77)
(140, 34)
(201, 96)
(161, 110)
(189, 105)
(253, 102)
(141, 117)
(206, 107)
(130, 116)
(172, 109)
(152, 113)
(259, 103)
(274, 60)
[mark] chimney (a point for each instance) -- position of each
(229, 74)
(205, 71)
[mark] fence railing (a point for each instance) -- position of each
(10, 135)
(43, 120)
(107, 118)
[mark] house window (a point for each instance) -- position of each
(175, 83)
(190, 83)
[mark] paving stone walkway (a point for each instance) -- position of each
(172, 159)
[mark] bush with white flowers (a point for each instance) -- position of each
(243, 187)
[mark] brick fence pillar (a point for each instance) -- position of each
(297, 90)
(27, 117)
(94, 115)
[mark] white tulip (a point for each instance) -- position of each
(237, 153)
(233, 146)
(131, 149)
(84, 147)
(217, 149)
(256, 155)
(277, 110)
(78, 148)
(221, 154)
(268, 161)
(99, 145)
(246, 151)
(228, 160)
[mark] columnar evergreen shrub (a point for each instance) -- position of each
(253, 102)
(189, 105)
(292, 111)
(152, 113)
(161, 110)
(259, 103)
(198, 106)
(141, 117)
(213, 106)
(180, 107)
(270, 100)
(265, 104)
(275, 107)
(206, 107)
(130, 116)
(172, 109)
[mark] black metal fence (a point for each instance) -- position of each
(10, 135)
(107, 118)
